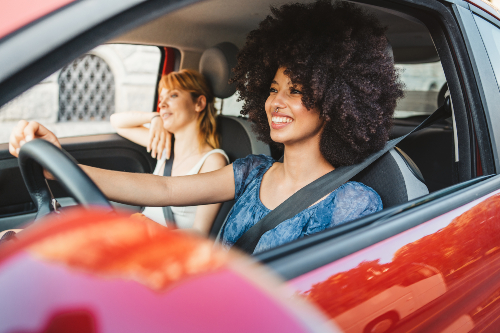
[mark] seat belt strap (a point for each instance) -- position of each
(167, 211)
(313, 192)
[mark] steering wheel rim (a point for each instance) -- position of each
(39, 154)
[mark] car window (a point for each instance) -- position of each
(229, 106)
(422, 85)
(79, 98)
(491, 39)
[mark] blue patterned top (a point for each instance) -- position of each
(348, 202)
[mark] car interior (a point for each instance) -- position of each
(207, 35)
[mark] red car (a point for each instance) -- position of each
(426, 263)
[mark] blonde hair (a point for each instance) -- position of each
(192, 81)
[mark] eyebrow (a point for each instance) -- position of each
(289, 82)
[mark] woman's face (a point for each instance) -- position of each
(289, 119)
(177, 109)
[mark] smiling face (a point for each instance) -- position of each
(177, 109)
(290, 121)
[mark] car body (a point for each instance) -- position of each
(427, 265)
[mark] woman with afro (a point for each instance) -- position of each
(318, 83)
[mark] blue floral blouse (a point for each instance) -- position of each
(348, 202)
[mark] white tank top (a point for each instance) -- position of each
(184, 216)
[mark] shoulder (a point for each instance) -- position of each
(243, 167)
(353, 188)
(254, 161)
(216, 160)
(248, 169)
(358, 197)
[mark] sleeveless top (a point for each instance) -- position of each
(348, 202)
(183, 215)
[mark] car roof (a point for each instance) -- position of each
(202, 25)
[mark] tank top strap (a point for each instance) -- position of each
(198, 165)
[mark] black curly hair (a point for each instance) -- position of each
(338, 53)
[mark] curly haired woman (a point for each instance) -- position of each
(317, 82)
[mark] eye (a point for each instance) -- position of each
(173, 95)
(295, 91)
(272, 90)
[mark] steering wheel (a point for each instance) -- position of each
(39, 154)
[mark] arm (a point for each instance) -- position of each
(141, 189)
(130, 126)
(158, 191)
(205, 215)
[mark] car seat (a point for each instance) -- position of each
(394, 176)
(237, 138)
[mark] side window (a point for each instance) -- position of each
(78, 99)
(423, 83)
(491, 39)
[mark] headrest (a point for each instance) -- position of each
(216, 65)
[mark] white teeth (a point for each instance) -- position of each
(278, 120)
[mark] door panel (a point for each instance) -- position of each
(109, 151)
(448, 268)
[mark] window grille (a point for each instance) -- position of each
(86, 90)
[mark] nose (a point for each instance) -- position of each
(162, 101)
(279, 100)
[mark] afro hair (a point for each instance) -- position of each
(339, 55)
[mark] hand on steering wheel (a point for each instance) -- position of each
(35, 156)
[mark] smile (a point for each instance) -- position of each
(280, 122)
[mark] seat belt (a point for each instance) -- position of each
(167, 211)
(313, 192)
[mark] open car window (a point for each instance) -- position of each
(79, 98)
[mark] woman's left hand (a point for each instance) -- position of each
(159, 138)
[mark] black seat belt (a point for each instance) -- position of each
(313, 192)
(167, 211)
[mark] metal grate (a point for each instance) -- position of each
(86, 90)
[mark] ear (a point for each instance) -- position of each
(201, 103)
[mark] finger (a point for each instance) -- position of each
(150, 140)
(17, 134)
(161, 145)
(154, 145)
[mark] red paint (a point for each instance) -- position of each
(18, 13)
(441, 275)
(97, 272)
(486, 7)
(168, 66)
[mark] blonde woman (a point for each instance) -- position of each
(188, 113)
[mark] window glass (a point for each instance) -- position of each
(79, 98)
(229, 106)
(491, 39)
(423, 83)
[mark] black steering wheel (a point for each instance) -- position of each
(37, 155)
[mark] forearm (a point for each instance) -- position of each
(131, 119)
(138, 189)
(156, 191)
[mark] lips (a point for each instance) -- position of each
(166, 115)
(280, 120)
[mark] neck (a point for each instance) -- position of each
(186, 141)
(303, 163)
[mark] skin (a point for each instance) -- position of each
(302, 164)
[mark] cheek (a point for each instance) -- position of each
(267, 106)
